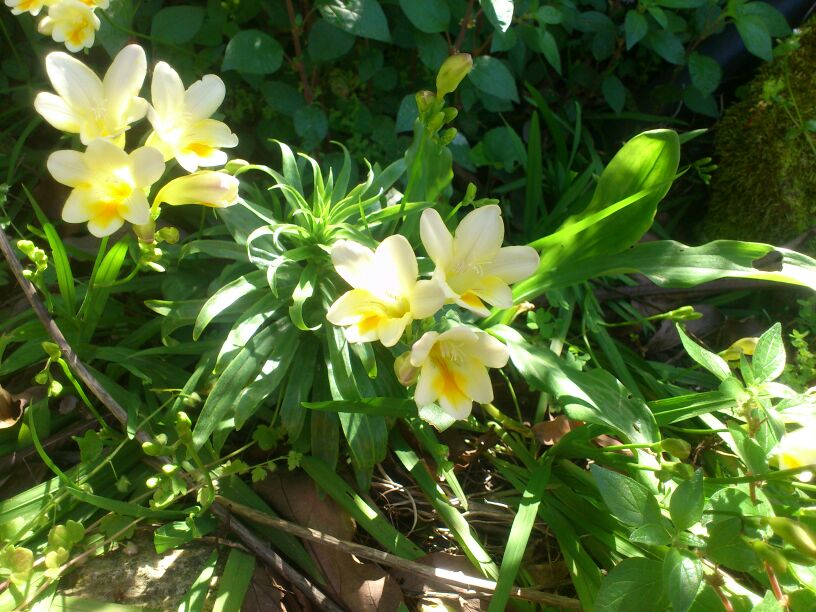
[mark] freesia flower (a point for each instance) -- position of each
(453, 369)
(205, 188)
(91, 107)
(180, 119)
(109, 186)
(472, 266)
(386, 296)
(18, 7)
(71, 22)
(795, 450)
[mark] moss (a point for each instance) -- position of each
(765, 187)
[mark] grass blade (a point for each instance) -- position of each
(234, 582)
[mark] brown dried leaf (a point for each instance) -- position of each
(11, 409)
(264, 594)
(551, 432)
(359, 586)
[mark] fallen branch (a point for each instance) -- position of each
(252, 542)
(439, 575)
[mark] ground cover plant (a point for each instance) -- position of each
(464, 356)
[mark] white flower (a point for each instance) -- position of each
(109, 186)
(386, 295)
(472, 266)
(205, 188)
(797, 449)
(18, 7)
(91, 107)
(181, 123)
(453, 369)
(71, 22)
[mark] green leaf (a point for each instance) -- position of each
(654, 534)
(90, 446)
(682, 578)
(726, 546)
(226, 297)
(755, 35)
(666, 45)
(613, 92)
(519, 536)
(775, 22)
(768, 360)
(380, 406)
(327, 42)
(628, 500)
(636, 27)
(194, 598)
(177, 24)
(687, 502)
(498, 12)
(491, 76)
(234, 581)
(253, 52)
(633, 584)
(359, 17)
(551, 15)
(429, 16)
(178, 533)
(311, 125)
(549, 47)
(710, 361)
(705, 73)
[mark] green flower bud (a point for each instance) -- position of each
(453, 70)
(450, 114)
(406, 372)
(677, 447)
(51, 349)
(794, 533)
(170, 235)
(234, 165)
(446, 137)
(424, 101)
(770, 554)
(436, 122)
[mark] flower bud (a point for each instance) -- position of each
(677, 447)
(168, 234)
(450, 114)
(205, 188)
(447, 137)
(453, 70)
(424, 101)
(771, 555)
(794, 533)
(743, 346)
(234, 165)
(406, 373)
(146, 233)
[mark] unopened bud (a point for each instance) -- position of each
(450, 114)
(770, 554)
(406, 372)
(453, 70)
(205, 188)
(234, 165)
(743, 346)
(794, 533)
(424, 101)
(677, 447)
(168, 234)
(436, 122)
(145, 232)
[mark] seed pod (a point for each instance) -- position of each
(794, 533)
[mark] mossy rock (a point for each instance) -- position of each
(765, 187)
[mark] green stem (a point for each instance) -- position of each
(777, 475)
(505, 421)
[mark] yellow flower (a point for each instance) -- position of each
(70, 22)
(91, 107)
(386, 295)
(205, 188)
(109, 186)
(18, 7)
(180, 119)
(795, 450)
(472, 266)
(453, 369)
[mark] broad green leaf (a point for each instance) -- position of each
(666, 45)
(768, 360)
(775, 22)
(628, 500)
(710, 361)
(490, 75)
(498, 12)
(642, 171)
(549, 47)
(226, 297)
(359, 17)
(682, 578)
(253, 52)
(177, 24)
(633, 584)
(705, 73)
(234, 581)
(654, 534)
(755, 35)
(752, 454)
(613, 92)
(197, 594)
(311, 125)
(726, 546)
(178, 533)
(519, 536)
(635, 26)
(327, 42)
(687, 502)
(429, 16)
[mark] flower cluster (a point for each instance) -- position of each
(472, 270)
(110, 185)
(71, 22)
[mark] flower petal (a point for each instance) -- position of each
(350, 307)
(514, 263)
(57, 112)
(470, 301)
(74, 82)
(494, 291)
(459, 406)
(77, 207)
(479, 236)
(204, 97)
(105, 225)
(421, 348)
(166, 92)
(436, 238)
(472, 378)
(104, 157)
(353, 262)
(68, 168)
(426, 299)
(135, 209)
(394, 269)
(491, 352)
(425, 392)
(147, 166)
(123, 80)
(390, 329)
